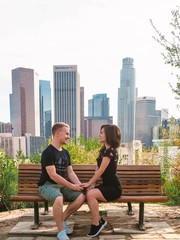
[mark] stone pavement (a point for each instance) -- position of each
(161, 222)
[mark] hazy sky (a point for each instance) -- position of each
(93, 34)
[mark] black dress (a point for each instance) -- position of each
(111, 186)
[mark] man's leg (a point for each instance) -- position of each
(74, 206)
(51, 192)
(58, 213)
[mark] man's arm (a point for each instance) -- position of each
(72, 175)
(51, 170)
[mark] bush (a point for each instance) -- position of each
(83, 151)
(172, 183)
(170, 171)
(8, 180)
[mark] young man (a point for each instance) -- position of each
(53, 186)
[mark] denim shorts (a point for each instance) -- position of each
(51, 191)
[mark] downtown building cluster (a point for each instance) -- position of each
(32, 112)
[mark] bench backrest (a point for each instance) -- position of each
(136, 179)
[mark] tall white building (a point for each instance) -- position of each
(25, 102)
(67, 97)
(127, 101)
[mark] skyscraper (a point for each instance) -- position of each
(45, 108)
(146, 119)
(67, 97)
(82, 110)
(98, 106)
(25, 102)
(127, 101)
(98, 114)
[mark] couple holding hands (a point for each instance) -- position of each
(56, 168)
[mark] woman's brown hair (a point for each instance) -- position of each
(113, 135)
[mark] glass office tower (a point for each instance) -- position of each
(45, 107)
(127, 101)
(25, 102)
(146, 119)
(98, 106)
(67, 97)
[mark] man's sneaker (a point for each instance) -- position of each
(62, 235)
(95, 230)
(67, 229)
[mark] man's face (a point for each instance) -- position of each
(63, 135)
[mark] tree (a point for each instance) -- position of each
(171, 54)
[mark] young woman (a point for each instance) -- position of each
(110, 189)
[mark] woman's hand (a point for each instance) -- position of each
(90, 187)
(87, 185)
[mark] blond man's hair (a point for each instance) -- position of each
(57, 126)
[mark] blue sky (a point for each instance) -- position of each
(93, 34)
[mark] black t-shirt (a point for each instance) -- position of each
(109, 176)
(51, 156)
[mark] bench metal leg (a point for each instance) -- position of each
(141, 216)
(36, 216)
(46, 208)
(130, 211)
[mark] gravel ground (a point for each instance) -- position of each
(156, 212)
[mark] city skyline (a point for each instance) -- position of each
(95, 36)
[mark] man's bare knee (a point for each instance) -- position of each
(81, 198)
(58, 201)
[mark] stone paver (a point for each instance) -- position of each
(110, 237)
(145, 236)
(45, 238)
(124, 230)
(20, 238)
(162, 227)
(24, 228)
(171, 236)
(80, 238)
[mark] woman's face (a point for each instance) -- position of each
(102, 136)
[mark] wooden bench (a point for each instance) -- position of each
(141, 184)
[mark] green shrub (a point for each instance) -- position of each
(83, 151)
(170, 171)
(172, 183)
(8, 180)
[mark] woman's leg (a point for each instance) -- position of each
(93, 196)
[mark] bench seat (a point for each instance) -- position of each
(122, 199)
